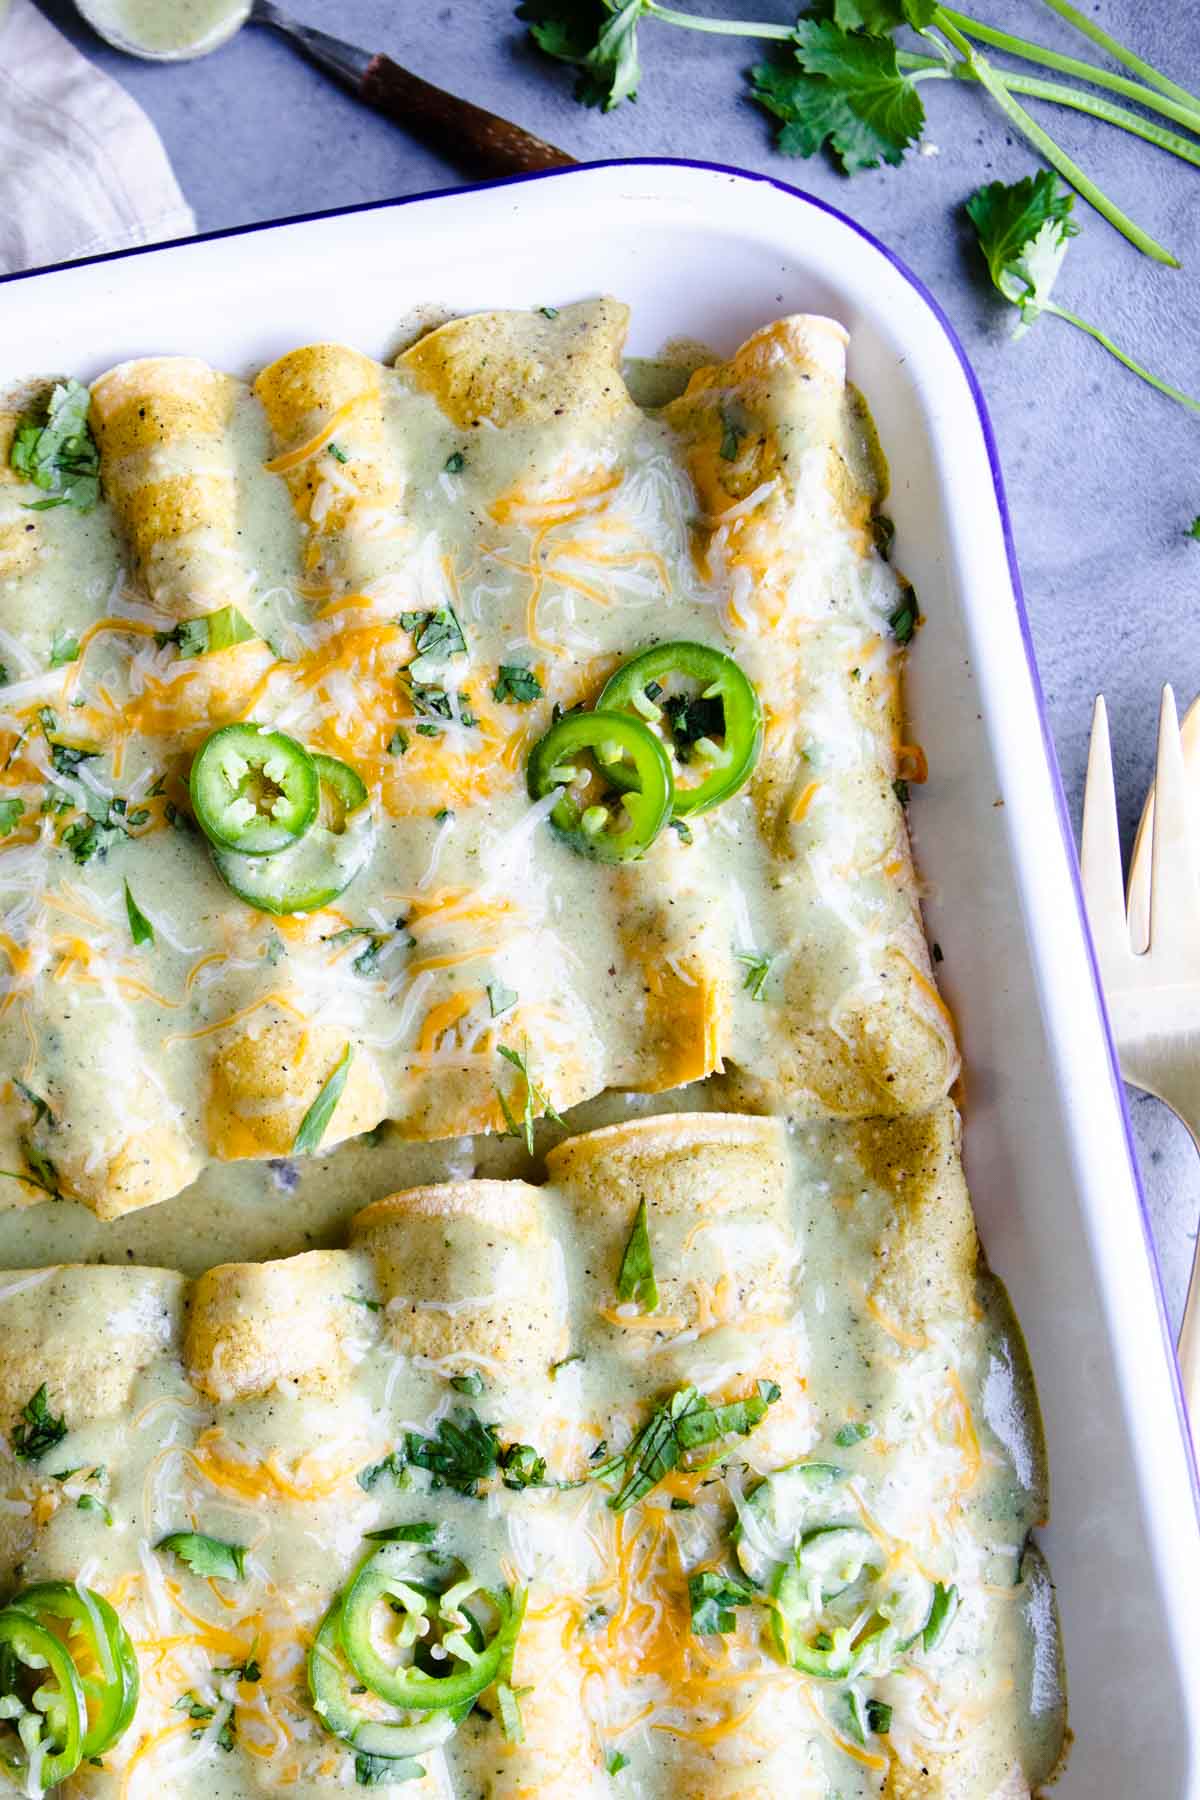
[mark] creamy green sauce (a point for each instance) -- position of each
(116, 1040)
(450, 817)
(997, 1680)
(167, 28)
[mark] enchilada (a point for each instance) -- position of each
(389, 583)
(467, 1376)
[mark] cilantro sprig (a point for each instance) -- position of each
(1024, 230)
(843, 81)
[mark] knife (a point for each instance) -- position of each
(480, 142)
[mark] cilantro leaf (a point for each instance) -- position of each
(1193, 531)
(599, 37)
(10, 814)
(421, 1531)
(905, 616)
(462, 1452)
(38, 1429)
(392, 1467)
(881, 17)
(437, 636)
(713, 1597)
(55, 450)
(518, 683)
(635, 1279)
(854, 1431)
(208, 1557)
(848, 91)
(64, 648)
(1024, 228)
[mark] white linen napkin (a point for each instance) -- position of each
(82, 169)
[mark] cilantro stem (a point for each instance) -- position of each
(1119, 53)
(1183, 112)
(926, 68)
(1044, 144)
(747, 28)
(1101, 337)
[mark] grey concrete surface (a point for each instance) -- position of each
(1103, 476)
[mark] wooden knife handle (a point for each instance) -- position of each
(478, 141)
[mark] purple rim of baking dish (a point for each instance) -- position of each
(993, 456)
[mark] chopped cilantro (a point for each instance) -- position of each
(436, 636)
(685, 1422)
(471, 1383)
(41, 1108)
(11, 810)
(853, 1432)
(57, 452)
(336, 451)
(713, 1597)
(419, 1531)
(140, 928)
(518, 683)
(548, 312)
(535, 1097)
(208, 1557)
(38, 1429)
(616, 1761)
(398, 742)
(904, 617)
(455, 463)
(89, 1503)
(758, 967)
(63, 649)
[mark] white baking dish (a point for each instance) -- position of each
(711, 253)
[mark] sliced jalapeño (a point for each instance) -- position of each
(254, 791)
(616, 788)
(312, 872)
(703, 707)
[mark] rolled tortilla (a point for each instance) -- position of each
(347, 498)
(788, 476)
(166, 460)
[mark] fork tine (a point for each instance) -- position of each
(1174, 917)
(1100, 848)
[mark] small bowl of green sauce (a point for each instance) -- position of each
(165, 30)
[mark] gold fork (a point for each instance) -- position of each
(1153, 994)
